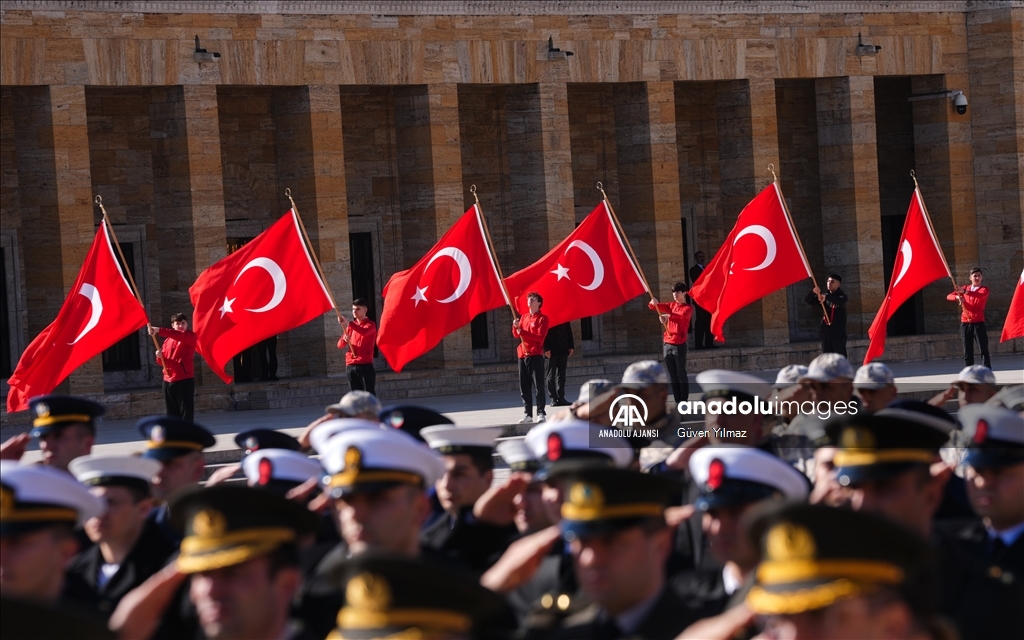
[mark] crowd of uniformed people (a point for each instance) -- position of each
(899, 520)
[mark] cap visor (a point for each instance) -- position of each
(166, 455)
(590, 528)
(860, 474)
(987, 459)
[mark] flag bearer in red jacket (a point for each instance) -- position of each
(176, 356)
(531, 328)
(676, 318)
(972, 301)
(359, 335)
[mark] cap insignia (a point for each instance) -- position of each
(584, 495)
(981, 432)
(6, 501)
(788, 541)
(857, 438)
(157, 434)
(350, 470)
(266, 471)
(716, 473)
(42, 410)
(555, 447)
(368, 592)
(209, 523)
(252, 443)
(396, 419)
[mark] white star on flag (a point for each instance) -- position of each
(420, 295)
(226, 307)
(562, 272)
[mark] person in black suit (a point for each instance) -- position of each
(558, 346)
(702, 318)
(832, 328)
(126, 551)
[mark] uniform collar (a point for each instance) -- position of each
(1008, 536)
(630, 620)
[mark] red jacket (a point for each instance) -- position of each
(678, 320)
(362, 336)
(177, 352)
(974, 304)
(533, 328)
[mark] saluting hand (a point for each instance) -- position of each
(520, 561)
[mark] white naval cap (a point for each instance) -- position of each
(996, 433)
(976, 374)
(264, 465)
(104, 470)
(715, 469)
(873, 375)
(789, 375)
(328, 429)
(719, 381)
(360, 459)
(35, 496)
(517, 454)
(449, 439)
(829, 367)
(565, 439)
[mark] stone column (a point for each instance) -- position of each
(995, 40)
(330, 238)
(667, 228)
(851, 216)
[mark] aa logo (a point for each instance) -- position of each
(625, 411)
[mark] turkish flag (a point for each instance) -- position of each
(100, 310)
(918, 264)
(1014, 325)
(267, 287)
(760, 256)
(445, 290)
(587, 274)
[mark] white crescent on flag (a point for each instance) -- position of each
(908, 254)
(276, 274)
(465, 271)
(594, 259)
(769, 242)
(93, 295)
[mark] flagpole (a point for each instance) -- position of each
(792, 228)
(316, 260)
(494, 256)
(931, 230)
(131, 280)
(629, 248)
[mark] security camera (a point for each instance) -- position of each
(960, 102)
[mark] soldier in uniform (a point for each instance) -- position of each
(468, 455)
(732, 479)
(39, 510)
(388, 596)
(830, 378)
(376, 482)
(177, 445)
(279, 470)
(65, 427)
(892, 467)
(995, 487)
(126, 552)
(833, 573)
(613, 521)
(250, 441)
(529, 513)
(974, 384)
(875, 385)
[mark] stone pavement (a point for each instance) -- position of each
(502, 408)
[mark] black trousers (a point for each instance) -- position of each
(556, 377)
(266, 351)
(531, 376)
(180, 398)
(702, 329)
(971, 331)
(361, 377)
(834, 344)
(675, 364)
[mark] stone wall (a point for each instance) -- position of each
(379, 123)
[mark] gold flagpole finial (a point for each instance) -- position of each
(913, 176)
(472, 190)
(600, 187)
(99, 200)
(771, 168)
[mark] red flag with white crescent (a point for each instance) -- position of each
(918, 264)
(1014, 325)
(100, 310)
(760, 256)
(591, 268)
(445, 290)
(267, 287)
